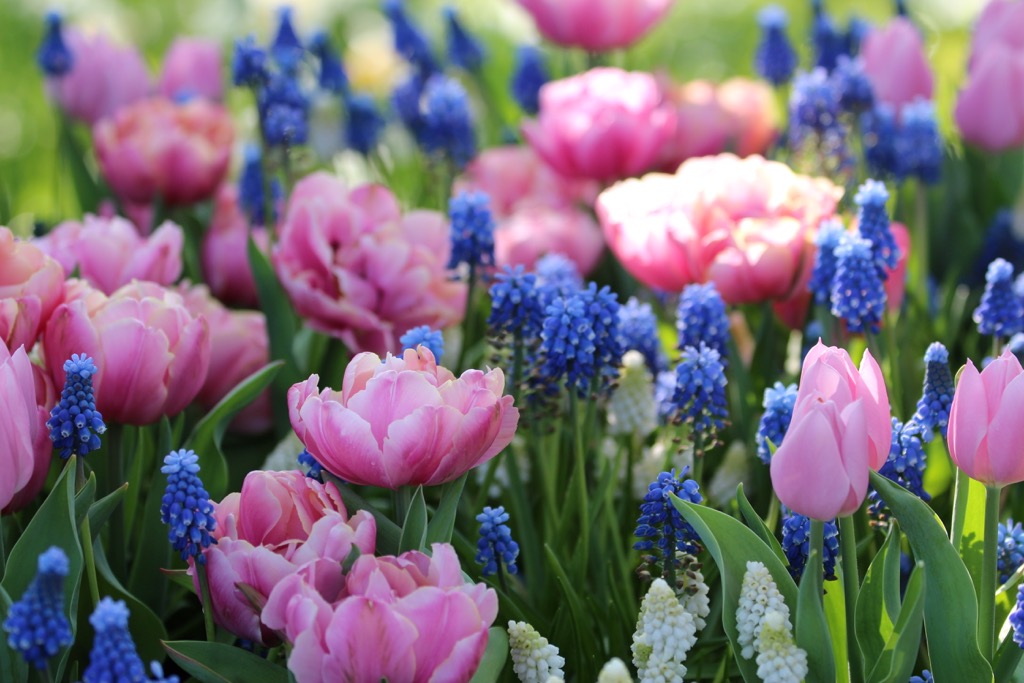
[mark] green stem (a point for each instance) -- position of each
(580, 477)
(960, 491)
(204, 592)
(921, 237)
(116, 460)
(467, 320)
(851, 587)
(698, 458)
(987, 600)
(774, 508)
(85, 538)
(402, 498)
(46, 673)
(817, 542)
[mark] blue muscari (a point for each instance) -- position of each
(858, 293)
(1017, 618)
(856, 30)
(531, 72)
(186, 506)
(405, 103)
(796, 543)
(813, 105)
(316, 470)
(284, 111)
(580, 339)
(854, 89)
(873, 224)
(558, 272)
(331, 76)
(639, 329)
(701, 317)
(495, 547)
(1000, 312)
(75, 424)
(36, 625)
(423, 335)
(925, 677)
(660, 526)
(775, 59)
(1001, 241)
(1009, 549)
(251, 189)
(286, 48)
(700, 393)
(829, 234)
(249, 63)
(410, 42)
(904, 465)
(464, 51)
(664, 390)
(778, 403)
(516, 308)
(932, 411)
(828, 41)
(918, 145)
(472, 230)
(447, 123)
(878, 137)
(53, 55)
(113, 658)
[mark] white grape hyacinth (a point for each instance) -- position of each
(614, 671)
(758, 595)
(665, 632)
(534, 659)
(779, 660)
(631, 408)
(695, 593)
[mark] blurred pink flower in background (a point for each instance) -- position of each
(225, 251)
(751, 108)
(151, 354)
(104, 78)
(404, 420)
(535, 231)
(109, 252)
(990, 108)
(596, 25)
(25, 447)
(896, 64)
(1001, 22)
(359, 269)
(192, 67)
(156, 148)
(603, 124)
(31, 286)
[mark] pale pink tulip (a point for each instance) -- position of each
(985, 429)
(702, 127)
(192, 67)
(225, 252)
(151, 354)
(534, 231)
(157, 148)
(896, 282)
(990, 108)
(596, 25)
(25, 447)
(1001, 22)
(404, 420)
(31, 286)
(896, 64)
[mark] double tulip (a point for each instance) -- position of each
(25, 447)
(31, 286)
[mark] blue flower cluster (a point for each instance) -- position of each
(873, 224)
(1000, 312)
(53, 57)
(75, 424)
(331, 76)
(316, 470)
(531, 72)
(700, 393)
(495, 546)
(472, 230)
(113, 657)
(580, 339)
(905, 465)
(813, 105)
(36, 625)
(409, 41)
(796, 543)
(660, 525)
(363, 123)
(853, 87)
(775, 59)
(186, 506)
(1017, 618)
(558, 274)
(925, 677)
(779, 400)
(701, 318)
(907, 146)
(516, 308)
(858, 293)
(829, 234)
(252, 189)
(1009, 549)
(423, 335)
(464, 50)
(932, 411)
(639, 329)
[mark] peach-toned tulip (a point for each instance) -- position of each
(357, 268)
(192, 67)
(156, 148)
(110, 253)
(751, 106)
(841, 427)
(603, 124)
(985, 430)
(404, 420)
(896, 64)
(534, 231)
(702, 127)
(31, 286)
(104, 77)
(990, 108)
(25, 447)
(151, 354)
(225, 252)
(596, 25)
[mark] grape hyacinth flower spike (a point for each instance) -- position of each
(1000, 313)
(495, 549)
(286, 49)
(873, 225)
(363, 123)
(779, 400)
(796, 543)
(472, 230)
(661, 526)
(53, 56)
(75, 424)
(1009, 549)
(531, 72)
(701, 318)
(186, 506)
(464, 51)
(36, 625)
(700, 395)
(775, 59)
(113, 656)
(858, 293)
(937, 395)
(829, 234)
(424, 335)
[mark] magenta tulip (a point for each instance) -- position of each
(192, 67)
(896, 65)
(25, 447)
(31, 286)
(225, 251)
(990, 109)
(596, 25)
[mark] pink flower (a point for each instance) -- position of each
(25, 447)
(31, 286)
(157, 148)
(896, 65)
(896, 282)
(841, 427)
(281, 523)
(109, 252)
(404, 420)
(1001, 22)
(985, 430)
(192, 67)
(990, 108)
(751, 107)
(603, 124)
(225, 251)
(406, 618)
(104, 77)
(532, 232)
(596, 25)
(151, 354)
(357, 268)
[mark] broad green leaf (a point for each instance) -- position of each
(874, 622)
(834, 603)
(757, 525)
(493, 663)
(152, 551)
(84, 499)
(219, 663)
(972, 539)
(954, 654)
(100, 511)
(896, 661)
(414, 530)
(812, 632)
(146, 627)
(442, 524)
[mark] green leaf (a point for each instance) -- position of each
(732, 545)
(84, 500)
(12, 666)
(952, 647)
(146, 627)
(442, 524)
(208, 433)
(834, 603)
(897, 659)
(972, 539)
(100, 511)
(758, 526)
(874, 622)
(414, 530)
(219, 663)
(152, 551)
(812, 633)
(493, 662)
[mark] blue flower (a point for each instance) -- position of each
(878, 137)
(1000, 312)
(1001, 241)
(186, 506)
(284, 111)
(286, 48)
(405, 100)
(472, 230)
(363, 123)
(775, 59)
(856, 30)
(700, 393)
(425, 336)
(316, 470)
(531, 72)
(701, 318)
(464, 51)
(796, 543)
(779, 400)
(1017, 618)
(447, 123)
(660, 525)
(75, 424)
(113, 658)
(904, 465)
(639, 329)
(53, 56)
(813, 105)
(332, 76)
(918, 145)
(495, 548)
(853, 85)
(580, 339)
(926, 675)
(1009, 549)
(937, 395)
(664, 391)
(873, 225)
(516, 308)
(829, 42)
(858, 294)
(251, 189)
(409, 40)
(558, 273)
(830, 233)
(249, 63)
(36, 625)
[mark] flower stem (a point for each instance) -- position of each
(204, 594)
(117, 550)
(817, 542)
(987, 596)
(581, 478)
(960, 491)
(851, 587)
(85, 537)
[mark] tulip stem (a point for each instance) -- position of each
(851, 587)
(467, 320)
(3, 548)
(116, 478)
(204, 595)
(85, 537)
(921, 237)
(817, 543)
(960, 490)
(987, 597)
(580, 476)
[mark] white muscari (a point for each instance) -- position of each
(695, 597)
(631, 408)
(758, 595)
(614, 671)
(779, 660)
(534, 659)
(665, 632)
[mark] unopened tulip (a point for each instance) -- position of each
(31, 286)
(596, 25)
(896, 64)
(25, 447)
(990, 109)
(225, 251)
(192, 68)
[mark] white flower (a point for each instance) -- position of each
(665, 632)
(780, 660)
(614, 671)
(534, 659)
(631, 408)
(695, 593)
(758, 596)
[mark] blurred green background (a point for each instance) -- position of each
(711, 39)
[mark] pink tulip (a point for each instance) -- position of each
(404, 420)
(104, 78)
(603, 124)
(156, 148)
(896, 65)
(225, 251)
(750, 105)
(151, 354)
(109, 253)
(25, 447)
(1001, 22)
(31, 286)
(192, 67)
(896, 282)
(596, 25)
(532, 232)
(841, 427)
(356, 268)
(990, 108)
(985, 429)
